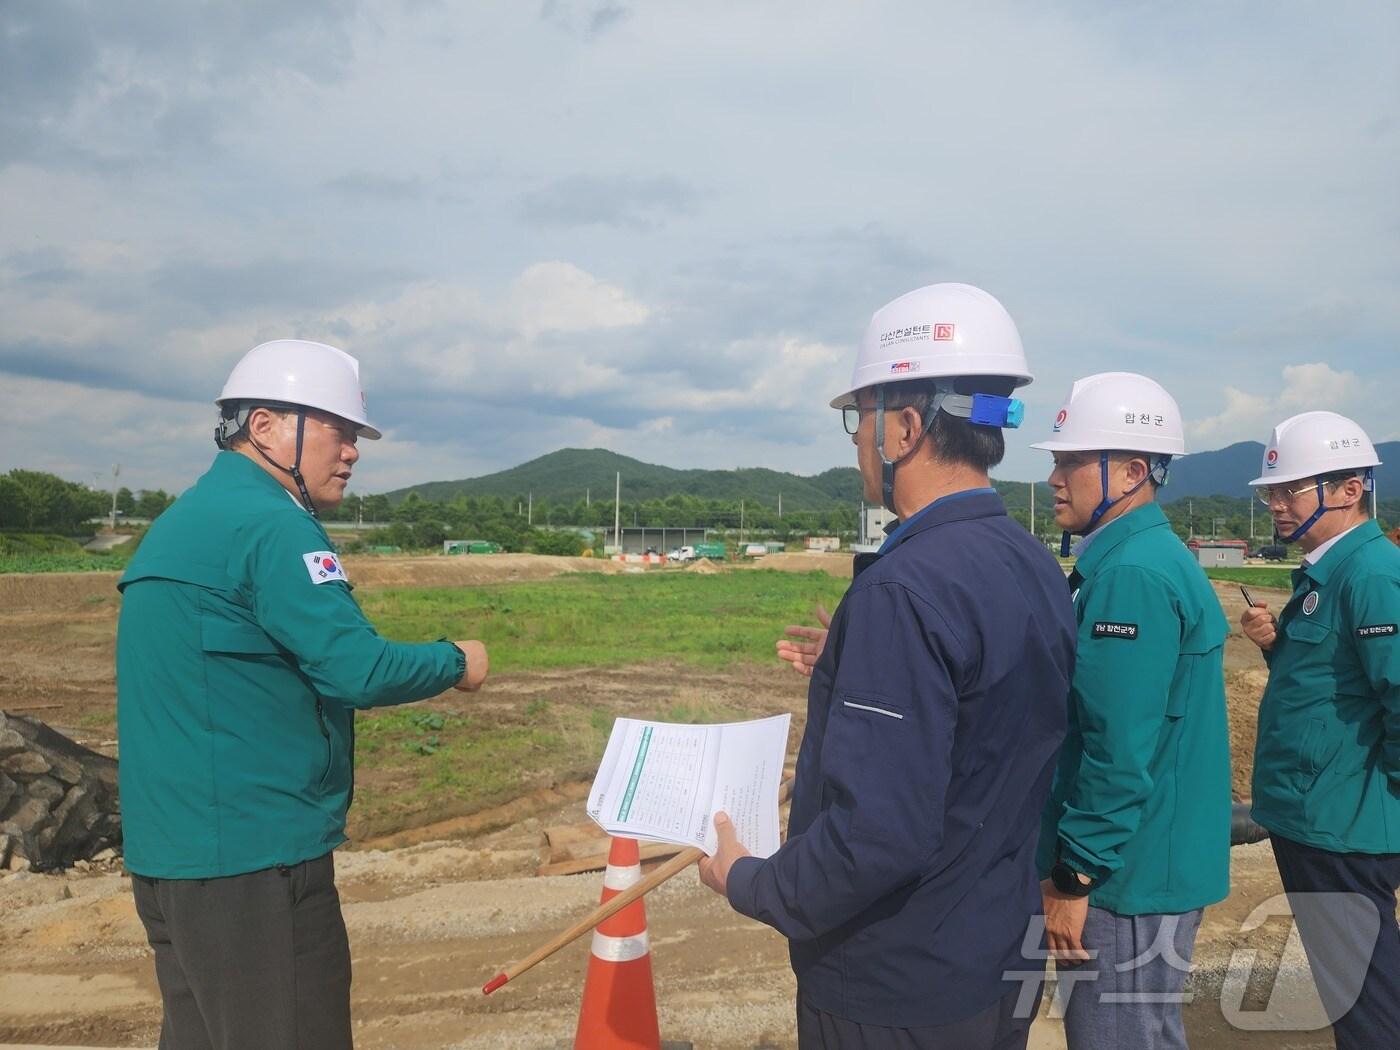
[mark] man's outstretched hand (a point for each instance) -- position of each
(803, 654)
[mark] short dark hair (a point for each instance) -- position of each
(1337, 477)
(953, 439)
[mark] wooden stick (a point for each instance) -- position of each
(672, 867)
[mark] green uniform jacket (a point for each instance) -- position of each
(1141, 800)
(1327, 757)
(241, 657)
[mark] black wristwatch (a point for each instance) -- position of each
(1068, 881)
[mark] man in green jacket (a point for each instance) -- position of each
(1327, 755)
(1136, 838)
(241, 660)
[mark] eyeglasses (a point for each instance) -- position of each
(1270, 494)
(850, 417)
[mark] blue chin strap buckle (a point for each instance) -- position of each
(989, 410)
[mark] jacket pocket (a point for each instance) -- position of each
(1317, 749)
(1309, 632)
(227, 636)
(866, 734)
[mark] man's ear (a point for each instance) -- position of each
(262, 422)
(1135, 468)
(911, 425)
(1353, 491)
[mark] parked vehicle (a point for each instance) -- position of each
(1272, 552)
(713, 551)
(470, 547)
(686, 553)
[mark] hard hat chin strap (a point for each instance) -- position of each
(1157, 471)
(1368, 482)
(295, 469)
(887, 465)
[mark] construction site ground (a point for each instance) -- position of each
(436, 909)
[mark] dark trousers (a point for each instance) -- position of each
(1347, 948)
(995, 1028)
(250, 962)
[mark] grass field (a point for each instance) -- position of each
(591, 620)
(79, 562)
(40, 552)
(417, 763)
(1270, 576)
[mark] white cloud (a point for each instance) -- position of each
(590, 223)
(1250, 416)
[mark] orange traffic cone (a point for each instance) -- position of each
(619, 1002)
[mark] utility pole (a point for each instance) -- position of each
(1190, 519)
(617, 513)
(780, 503)
(1032, 508)
(741, 523)
(1251, 519)
(530, 513)
(588, 497)
(116, 472)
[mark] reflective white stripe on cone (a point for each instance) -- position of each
(621, 878)
(620, 949)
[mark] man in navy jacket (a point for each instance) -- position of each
(935, 713)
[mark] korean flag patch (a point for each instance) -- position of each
(324, 566)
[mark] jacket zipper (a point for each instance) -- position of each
(325, 732)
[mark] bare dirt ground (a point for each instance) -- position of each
(435, 911)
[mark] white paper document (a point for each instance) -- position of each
(666, 781)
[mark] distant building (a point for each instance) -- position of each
(638, 539)
(1225, 554)
(871, 528)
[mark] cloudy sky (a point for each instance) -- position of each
(661, 227)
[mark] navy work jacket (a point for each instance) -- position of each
(934, 718)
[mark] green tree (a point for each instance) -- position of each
(377, 508)
(152, 503)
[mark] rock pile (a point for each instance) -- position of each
(58, 800)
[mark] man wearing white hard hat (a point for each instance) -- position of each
(935, 711)
(241, 660)
(1136, 839)
(1327, 755)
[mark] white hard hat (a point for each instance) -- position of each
(298, 372)
(1117, 411)
(937, 332)
(1314, 443)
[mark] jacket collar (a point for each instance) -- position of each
(233, 468)
(956, 506)
(1343, 549)
(1109, 537)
